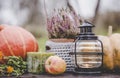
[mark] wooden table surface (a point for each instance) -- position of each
(68, 75)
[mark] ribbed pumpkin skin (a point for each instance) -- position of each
(16, 41)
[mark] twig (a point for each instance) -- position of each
(96, 12)
(109, 30)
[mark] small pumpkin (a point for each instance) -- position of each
(111, 50)
(16, 41)
(115, 40)
(108, 62)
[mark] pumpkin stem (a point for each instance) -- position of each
(1, 27)
(109, 30)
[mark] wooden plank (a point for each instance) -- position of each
(68, 75)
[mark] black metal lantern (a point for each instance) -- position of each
(88, 54)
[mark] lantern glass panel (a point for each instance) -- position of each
(87, 53)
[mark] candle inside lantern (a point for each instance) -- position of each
(86, 65)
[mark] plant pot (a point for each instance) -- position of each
(62, 40)
(62, 48)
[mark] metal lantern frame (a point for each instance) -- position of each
(89, 36)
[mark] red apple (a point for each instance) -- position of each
(55, 65)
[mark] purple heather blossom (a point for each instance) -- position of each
(63, 23)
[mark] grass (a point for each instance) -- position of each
(42, 40)
(41, 43)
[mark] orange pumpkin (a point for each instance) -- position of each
(16, 41)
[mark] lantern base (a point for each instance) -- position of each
(89, 71)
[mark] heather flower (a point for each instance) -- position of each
(63, 24)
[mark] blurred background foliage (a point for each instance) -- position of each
(32, 14)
